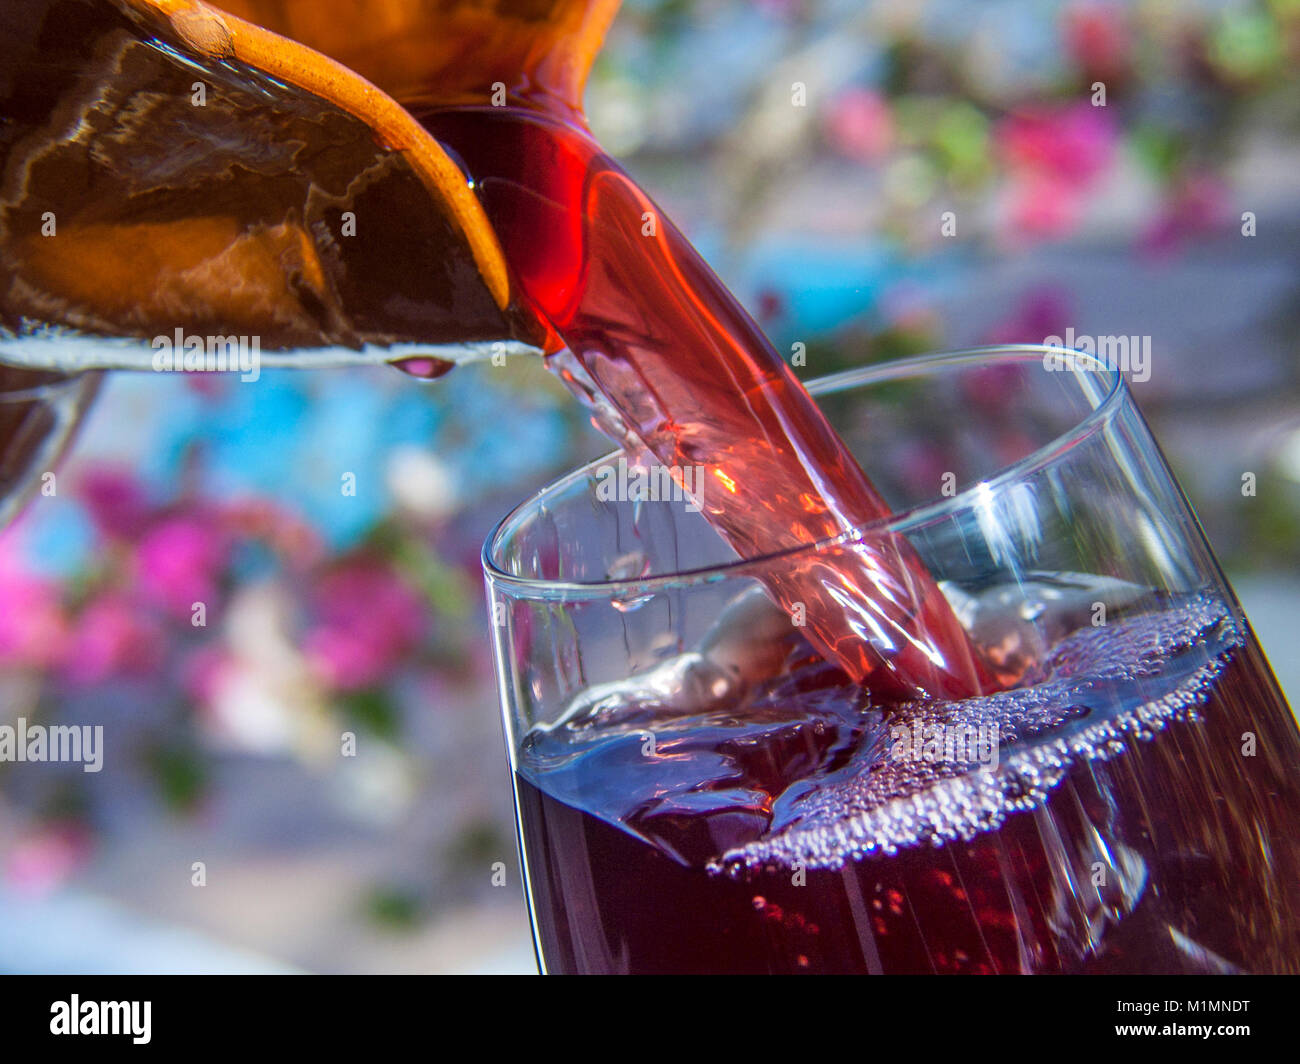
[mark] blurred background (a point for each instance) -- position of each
(954, 178)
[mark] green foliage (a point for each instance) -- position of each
(373, 711)
(392, 908)
(180, 774)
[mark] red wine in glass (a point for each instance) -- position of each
(798, 844)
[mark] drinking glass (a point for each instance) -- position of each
(697, 792)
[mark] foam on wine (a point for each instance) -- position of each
(1105, 687)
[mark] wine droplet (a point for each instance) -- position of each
(423, 367)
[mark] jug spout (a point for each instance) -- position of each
(249, 169)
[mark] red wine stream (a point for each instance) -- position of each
(696, 383)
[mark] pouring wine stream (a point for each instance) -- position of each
(548, 245)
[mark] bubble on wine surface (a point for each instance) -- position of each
(1105, 688)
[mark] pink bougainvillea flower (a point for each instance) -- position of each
(179, 560)
(1073, 144)
(1040, 313)
(1054, 157)
(115, 500)
(1042, 206)
(112, 636)
(47, 857)
(860, 125)
(33, 625)
(1198, 205)
(367, 619)
(202, 673)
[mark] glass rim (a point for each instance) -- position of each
(917, 514)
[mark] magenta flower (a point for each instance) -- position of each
(46, 858)
(1197, 206)
(860, 125)
(1043, 207)
(367, 619)
(179, 561)
(1053, 156)
(115, 501)
(33, 626)
(112, 637)
(1040, 313)
(1072, 144)
(202, 673)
